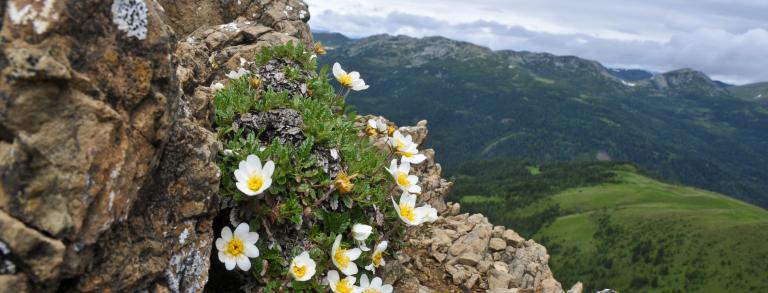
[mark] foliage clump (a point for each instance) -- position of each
(304, 209)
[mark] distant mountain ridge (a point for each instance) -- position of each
(480, 103)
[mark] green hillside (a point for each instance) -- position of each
(608, 225)
(481, 103)
(755, 91)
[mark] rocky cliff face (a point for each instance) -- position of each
(108, 179)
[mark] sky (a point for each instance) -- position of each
(726, 39)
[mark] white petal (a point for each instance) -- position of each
(414, 189)
(222, 257)
(251, 237)
(269, 168)
(220, 244)
(363, 247)
(407, 199)
(337, 71)
(333, 278)
(226, 234)
(241, 176)
(405, 167)
(350, 280)
(353, 254)
(355, 75)
(376, 282)
(397, 207)
(364, 281)
(229, 263)
(413, 179)
(243, 165)
(351, 269)
(244, 263)
(417, 159)
(254, 162)
(386, 289)
(242, 230)
(251, 251)
(371, 268)
(382, 246)
(372, 123)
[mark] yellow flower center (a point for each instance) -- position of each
(377, 258)
(343, 287)
(346, 80)
(341, 257)
(235, 247)
(407, 154)
(255, 82)
(402, 179)
(299, 271)
(371, 290)
(255, 182)
(371, 131)
(407, 212)
(390, 130)
(343, 182)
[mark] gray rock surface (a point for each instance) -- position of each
(107, 172)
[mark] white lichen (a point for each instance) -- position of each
(183, 236)
(111, 199)
(38, 12)
(4, 250)
(231, 27)
(130, 16)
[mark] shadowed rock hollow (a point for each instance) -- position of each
(108, 180)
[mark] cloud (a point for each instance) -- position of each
(726, 41)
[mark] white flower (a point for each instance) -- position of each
(405, 146)
(361, 232)
(412, 215)
(237, 248)
(251, 178)
(343, 258)
(346, 285)
(237, 74)
(377, 258)
(217, 86)
(375, 286)
(405, 181)
(302, 267)
(377, 124)
(350, 80)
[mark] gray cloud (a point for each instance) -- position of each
(725, 39)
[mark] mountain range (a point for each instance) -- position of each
(679, 125)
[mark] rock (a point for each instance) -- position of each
(469, 259)
(500, 266)
(498, 279)
(497, 244)
(42, 255)
(475, 241)
(577, 288)
(106, 149)
(550, 285)
(513, 238)
(13, 283)
(455, 209)
(472, 281)
(500, 290)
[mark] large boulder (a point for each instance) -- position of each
(107, 173)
